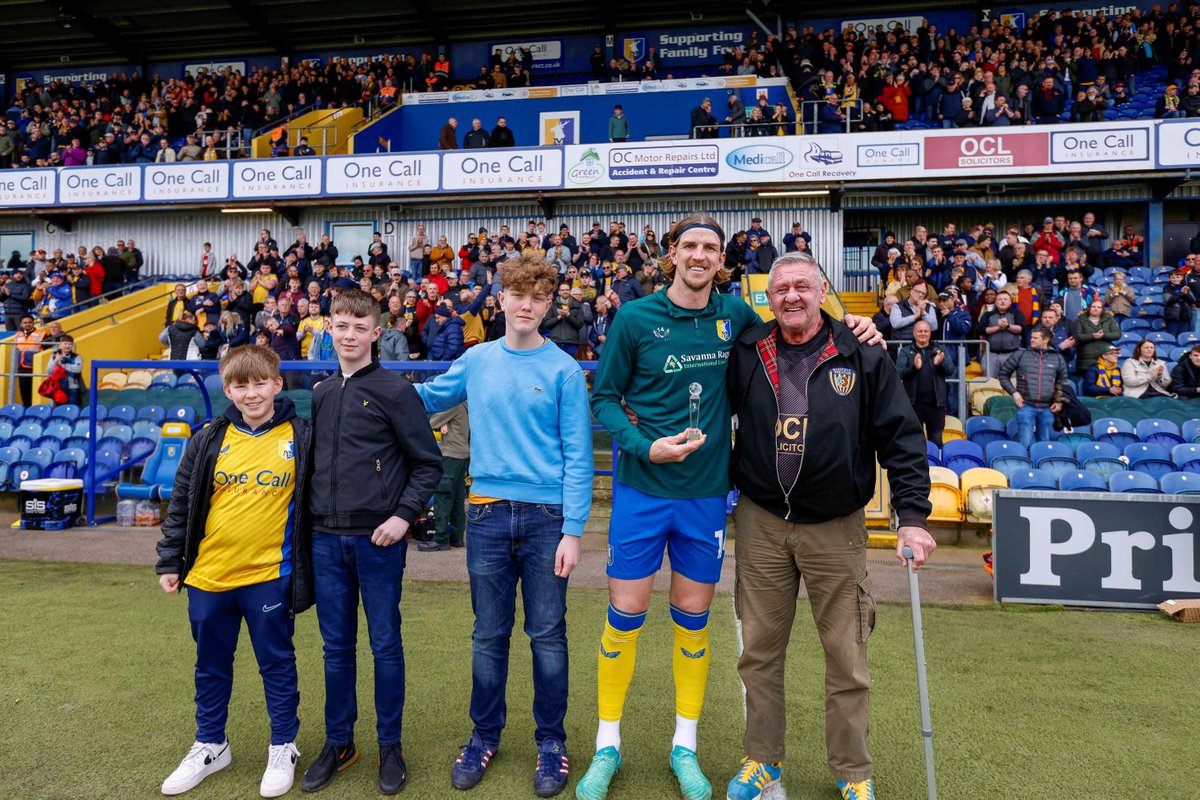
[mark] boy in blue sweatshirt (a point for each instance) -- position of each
(531, 492)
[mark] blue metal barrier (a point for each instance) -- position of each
(200, 369)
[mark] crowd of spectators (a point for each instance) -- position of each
(1062, 66)
(50, 286)
(437, 298)
(1067, 279)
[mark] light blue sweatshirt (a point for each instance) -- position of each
(530, 422)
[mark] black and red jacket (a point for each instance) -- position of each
(857, 411)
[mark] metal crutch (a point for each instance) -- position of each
(914, 595)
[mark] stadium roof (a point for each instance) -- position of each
(60, 33)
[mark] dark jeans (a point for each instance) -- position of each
(25, 385)
(216, 619)
(346, 567)
(933, 417)
(449, 509)
(510, 542)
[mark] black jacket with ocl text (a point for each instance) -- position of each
(857, 411)
(374, 455)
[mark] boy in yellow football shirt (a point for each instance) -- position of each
(236, 535)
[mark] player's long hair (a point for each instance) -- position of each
(667, 265)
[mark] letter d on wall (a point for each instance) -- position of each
(1043, 548)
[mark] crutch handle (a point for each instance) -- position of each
(907, 552)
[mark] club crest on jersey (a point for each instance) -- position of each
(842, 380)
(724, 330)
(287, 450)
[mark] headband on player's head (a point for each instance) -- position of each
(702, 226)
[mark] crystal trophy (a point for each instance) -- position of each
(693, 432)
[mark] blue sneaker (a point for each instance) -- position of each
(471, 764)
(686, 767)
(753, 779)
(594, 783)
(857, 790)
(550, 775)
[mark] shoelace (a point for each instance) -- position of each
(472, 754)
(549, 765)
(195, 756)
(749, 768)
(279, 756)
(861, 789)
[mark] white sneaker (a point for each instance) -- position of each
(281, 770)
(201, 761)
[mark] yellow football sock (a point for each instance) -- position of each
(690, 661)
(618, 654)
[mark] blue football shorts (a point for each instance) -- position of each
(641, 525)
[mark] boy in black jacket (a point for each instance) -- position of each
(236, 534)
(376, 464)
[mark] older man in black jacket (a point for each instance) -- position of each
(803, 490)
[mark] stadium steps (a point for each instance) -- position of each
(860, 304)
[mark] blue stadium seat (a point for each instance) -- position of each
(158, 473)
(933, 455)
(182, 414)
(1074, 437)
(1191, 430)
(155, 414)
(110, 443)
(1135, 482)
(1186, 457)
(1187, 339)
(1127, 350)
(101, 412)
(1161, 337)
(1134, 324)
(29, 428)
(6, 430)
(184, 381)
(1082, 481)
(59, 430)
(1149, 308)
(985, 423)
(1177, 353)
(139, 446)
(961, 455)
(1103, 458)
(61, 470)
(1012, 429)
(164, 380)
(107, 460)
(1180, 483)
(1032, 479)
(123, 414)
(24, 471)
(10, 455)
(122, 432)
(213, 383)
(75, 441)
(83, 427)
(1152, 459)
(38, 414)
(1132, 337)
(1159, 431)
(51, 443)
(12, 412)
(67, 412)
(1158, 324)
(73, 454)
(1145, 273)
(145, 427)
(1053, 457)
(1007, 456)
(1114, 430)
(22, 443)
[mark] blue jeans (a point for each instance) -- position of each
(415, 266)
(216, 619)
(1027, 418)
(344, 568)
(507, 542)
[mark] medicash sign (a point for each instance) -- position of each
(1093, 549)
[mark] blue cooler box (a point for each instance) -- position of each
(51, 504)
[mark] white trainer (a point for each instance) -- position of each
(201, 761)
(281, 770)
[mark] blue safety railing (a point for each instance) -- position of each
(199, 370)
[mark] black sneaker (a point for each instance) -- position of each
(550, 775)
(332, 760)
(393, 774)
(431, 546)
